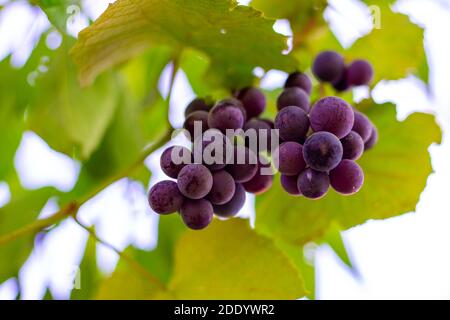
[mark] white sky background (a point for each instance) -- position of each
(403, 257)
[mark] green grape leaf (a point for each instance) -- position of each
(235, 38)
(396, 171)
(57, 11)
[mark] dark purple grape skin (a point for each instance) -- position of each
(313, 184)
(195, 181)
(332, 114)
(198, 104)
(289, 158)
(269, 122)
(205, 147)
(353, 146)
(362, 126)
(222, 189)
(289, 184)
(196, 116)
(261, 182)
(257, 125)
(244, 166)
(253, 100)
(292, 123)
(342, 83)
(322, 151)
(165, 198)
(232, 207)
(226, 116)
(347, 178)
(168, 166)
(360, 72)
(197, 214)
(293, 96)
(299, 80)
(372, 140)
(328, 66)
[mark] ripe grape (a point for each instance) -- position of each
(164, 197)
(300, 80)
(197, 214)
(293, 97)
(211, 150)
(313, 184)
(223, 188)
(353, 146)
(232, 207)
(322, 151)
(347, 178)
(334, 115)
(195, 181)
(198, 104)
(168, 166)
(253, 100)
(244, 166)
(328, 66)
(289, 183)
(199, 117)
(269, 122)
(261, 182)
(342, 83)
(372, 140)
(292, 123)
(261, 128)
(362, 126)
(226, 115)
(360, 72)
(289, 158)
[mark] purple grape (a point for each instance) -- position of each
(299, 80)
(313, 184)
(167, 164)
(232, 207)
(198, 104)
(322, 151)
(224, 116)
(222, 189)
(362, 126)
(213, 145)
(347, 178)
(289, 159)
(293, 97)
(244, 166)
(372, 140)
(292, 123)
(195, 181)
(235, 102)
(342, 83)
(289, 184)
(261, 182)
(360, 72)
(253, 100)
(261, 128)
(328, 66)
(197, 214)
(164, 197)
(196, 117)
(353, 146)
(269, 122)
(332, 114)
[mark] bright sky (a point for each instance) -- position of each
(404, 257)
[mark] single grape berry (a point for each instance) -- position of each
(224, 116)
(195, 181)
(253, 100)
(322, 151)
(196, 118)
(360, 72)
(293, 97)
(299, 80)
(197, 214)
(334, 115)
(347, 178)
(342, 84)
(269, 122)
(313, 184)
(164, 197)
(261, 132)
(244, 166)
(222, 189)
(353, 146)
(232, 207)
(372, 140)
(292, 123)
(328, 66)
(362, 126)
(262, 181)
(289, 184)
(289, 158)
(173, 159)
(198, 104)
